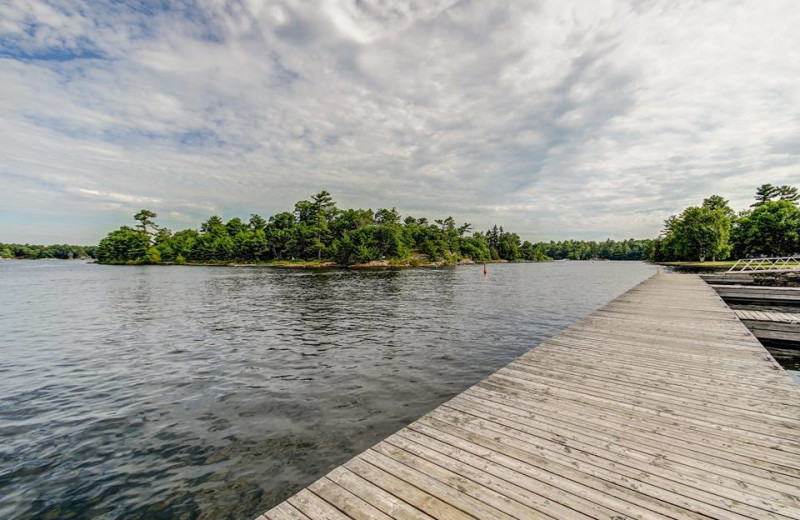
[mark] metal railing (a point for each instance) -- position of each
(766, 264)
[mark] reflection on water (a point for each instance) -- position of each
(198, 393)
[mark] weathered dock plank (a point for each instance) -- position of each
(777, 317)
(661, 404)
(759, 294)
(780, 327)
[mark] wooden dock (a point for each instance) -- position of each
(759, 294)
(783, 327)
(729, 278)
(659, 405)
(771, 316)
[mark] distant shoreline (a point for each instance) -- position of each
(303, 264)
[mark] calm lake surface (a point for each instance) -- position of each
(200, 393)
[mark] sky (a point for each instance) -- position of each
(556, 119)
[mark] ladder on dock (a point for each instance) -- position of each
(659, 405)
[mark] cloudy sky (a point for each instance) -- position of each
(557, 119)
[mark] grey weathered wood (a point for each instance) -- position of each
(777, 317)
(660, 404)
(759, 294)
(779, 326)
(729, 278)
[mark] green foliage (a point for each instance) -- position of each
(533, 252)
(772, 229)
(153, 256)
(257, 222)
(703, 233)
(145, 218)
(715, 202)
(699, 233)
(713, 230)
(183, 243)
(503, 245)
(315, 230)
(587, 250)
(125, 245)
(788, 193)
(476, 247)
(36, 252)
(508, 246)
(358, 246)
(764, 193)
(767, 192)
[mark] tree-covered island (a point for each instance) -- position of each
(317, 232)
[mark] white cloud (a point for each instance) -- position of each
(554, 118)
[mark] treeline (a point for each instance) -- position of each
(630, 249)
(713, 231)
(317, 230)
(36, 252)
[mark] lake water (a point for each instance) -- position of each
(200, 393)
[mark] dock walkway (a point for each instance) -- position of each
(658, 405)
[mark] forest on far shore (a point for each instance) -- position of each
(41, 252)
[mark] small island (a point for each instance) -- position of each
(319, 234)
